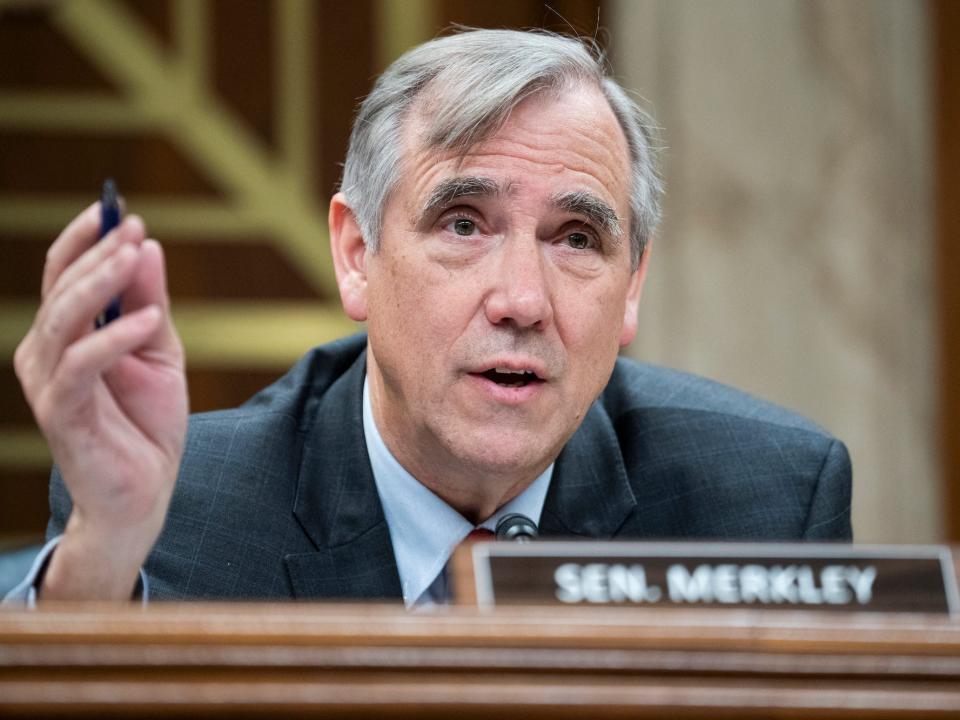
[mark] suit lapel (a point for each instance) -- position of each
(337, 504)
(590, 495)
(338, 507)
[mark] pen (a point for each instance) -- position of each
(109, 219)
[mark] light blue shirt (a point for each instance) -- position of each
(425, 530)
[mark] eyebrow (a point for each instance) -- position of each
(452, 189)
(592, 208)
(579, 202)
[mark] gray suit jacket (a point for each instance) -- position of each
(276, 498)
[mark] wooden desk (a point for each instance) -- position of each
(375, 661)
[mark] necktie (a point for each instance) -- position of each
(478, 534)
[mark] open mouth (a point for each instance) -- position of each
(510, 378)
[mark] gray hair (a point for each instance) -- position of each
(472, 81)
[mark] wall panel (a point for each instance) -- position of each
(797, 257)
(947, 77)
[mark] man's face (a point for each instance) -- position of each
(501, 291)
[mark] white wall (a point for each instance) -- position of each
(795, 260)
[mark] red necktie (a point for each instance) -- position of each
(478, 534)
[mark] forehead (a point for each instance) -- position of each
(550, 143)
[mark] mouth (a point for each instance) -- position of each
(507, 377)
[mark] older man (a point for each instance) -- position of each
(498, 198)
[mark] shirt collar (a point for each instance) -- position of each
(425, 530)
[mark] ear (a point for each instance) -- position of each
(349, 258)
(632, 302)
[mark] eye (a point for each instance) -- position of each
(463, 226)
(579, 241)
(463, 222)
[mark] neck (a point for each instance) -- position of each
(475, 490)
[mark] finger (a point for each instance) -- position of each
(54, 327)
(89, 357)
(130, 231)
(75, 239)
(68, 314)
(149, 287)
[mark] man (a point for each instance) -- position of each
(498, 198)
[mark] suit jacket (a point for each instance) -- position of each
(276, 498)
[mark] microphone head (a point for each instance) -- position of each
(516, 527)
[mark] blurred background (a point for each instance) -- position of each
(808, 252)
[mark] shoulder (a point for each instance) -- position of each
(716, 461)
(231, 514)
(259, 444)
(263, 437)
(286, 404)
(636, 387)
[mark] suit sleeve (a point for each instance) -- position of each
(60, 505)
(828, 518)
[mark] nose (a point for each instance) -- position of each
(520, 291)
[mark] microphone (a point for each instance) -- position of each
(516, 527)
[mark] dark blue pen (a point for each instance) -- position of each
(109, 219)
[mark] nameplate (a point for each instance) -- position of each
(768, 576)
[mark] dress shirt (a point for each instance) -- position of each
(425, 530)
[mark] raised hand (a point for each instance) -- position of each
(112, 403)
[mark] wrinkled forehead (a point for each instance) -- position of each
(574, 126)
